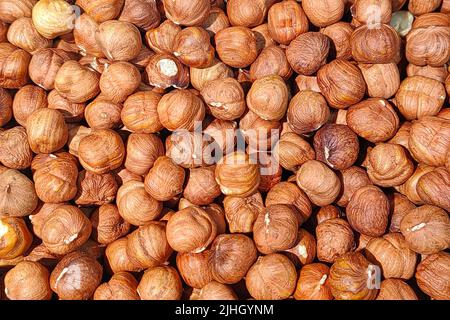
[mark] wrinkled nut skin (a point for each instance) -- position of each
(365, 120)
(216, 21)
(326, 213)
(142, 152)
(232, 255)
(323, 13)
(236, 46)
(107, 224)
(341, 83)
(368, 211)
(12, 10)
(84, 35)
(121, 286)
(160, 283)
(436, 73)
(117, 258)
(248, 14)
(139, 113)
(79, 269)
(28, 281)
(142, 13)
(426, 229)
(15, 152)
(13, 66)
(103, 114)
(187, 13)
(271, 61)
(334, 238)
(351, 179)
(165, 71)
(409, 188)
(383, 80)
(53, 18)
(257, 131)
(349, 277)
(263, 37)
(430, 188)
(272, 277)
(395, 289)
(312, 283)
(118, 81)
(24, 35)
(27, 100)
(72, 112)
(402, 135)
(433, 276)
(304, 251)
(201, 187)
(18, 196)
(293, 151)
(428, 46)
(6, 103)
(214, 291)
(101, 10)
(194, 268)
(95, 189)
(162, 38)
(400, 206)
(200, 77)
(241, 212)
(419, 7)
(40, 215)
(192, 47)
(16, 239)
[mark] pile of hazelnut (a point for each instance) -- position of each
(333, 184)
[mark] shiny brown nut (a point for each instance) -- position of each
(53, 18)
(6, 111)
(418, 7)
(326, 213)
(313, 283)
(436, 73)
(400, 206)
(142, 152)
(293, 151)
(214, 291)
(15, 152)
(429, 188)
(437, 19)
(27, 100)
(84, 35)
(72, 112)
(118, 81)
(12, 9)
(395, 289)
(402, 135)
(187, 13)
(24, 35)
(40, 215)
(103, 114)
(15, 237)
(192, 47)
(334, 238)
(216, 21)
(95, 189)
(162, 186)
(236, 46)
(142, 13)
(17, 194)
(117, 258)
(45, 64)
(201, 187)
(364, 119)
(428, 46)
(248, 14)
(352, 179)
(194, 268)
(161, 39)
(160, 283)
(13, 66)
(323, 13)
(241, 212)
(271, 61)
(218, 70)
(107, 224)
(432, 275)
(383, 80)
(340, 34)
(101, 10)
(139, 113)
(409, 188)
(121, 286)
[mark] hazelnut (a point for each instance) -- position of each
(293, 151)
(236, 46)
(160, 283)
(6, 103)
(123, 175)
(272, 277)
(139, 113)
(271, 61)
(232, 255)
(15, 239)
(326, 213)
(162, 38)
(77, 83)
(84, 35)
(217, 214)
(263, 37)
(187, 13)
(142, 152)
(409, 188)
(402, 135)
(24, 35)
(10, 10)
(429, 188)
(366, 121)
(76, 277)
(107, 224)
(27, 100)
(118, 81)
(400, 206)
(161, 185)
(312, 283)
(72, 112)
(258, 133)
(323, 13)
(286, 20)
(201, 188)
(371, 12)
(53, 18)
(436, 73)
(419, 96)
(142, 13)
(383, 80)
(107, 154)
(101, 10)
(418, 7)
(28, 281)
(194, 268)
(432, 275)
(304, 251)
(352, 179)
(121, 286)
(13, 66)
(248, 14)
(15, 152)
(117, 257)
(192, 47)
(395, 289)
(95, 189)
(119, 40)
(190, 149)
(319, 182)
(436, 19)
(103, 114)
(340, 33)
(341, 83)
(270, 171)
(214, 291)
(225, 98)
(200, 77)
(65, 229)
(241, 212)
(3, 31)
(334, 238)
(40, 215)
(216, 21)
(426, 229)
(17, 194)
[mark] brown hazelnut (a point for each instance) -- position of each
(27, 100)
(263, 37)
(15, 239)
(107, 224)
(258, 133)
(319, 182)
(248, 13)
(271, 61)
(436, 19)
(270, 171)
(201, 188)
(293, 151)
(366, 121)
(436, 73)
(426, 229)
(232, 255)
(6, 103)
(445, 6)
(217, 213)
(429, 140)
(143, 14)
(117, 257)
(241, 212)
(47, 132)
(119, 40)
(40, 215)
(118, 81)
(160, 283)
(101, 151)
(72, 112)
(101, 10)
(402, 135)
(123, 175)
(147, 246)
(225, 98)
(187, 13)
(352, 179)
(200, 77)
(323, 13)
(3, 31)
(13, 66)
(24, 35)
(214, 291)
(429, 188)
(192, 47)
(142, 152)
(326, 213)
(395, 289)
(236, 46)
(371, 12)
(77, 83)
(194, 268)
(216, 21)
(45, 64)
(17, 194)
(103, 114)
(10, 10)
(419, 7)
(76, 277)
(84, 35)
(341, 83)
(190, 149)
(432, 275)
(95, 189)
(313, 283)
(15, 152)
(28, 281)
(400, 206)
(161, 185)
(162, 38)
(65, 229)
(334, 238)
(53, 18)
(419, 96)
(383, 80)
(304, 251)
(121, 286)
(409, 188)
(139, 113)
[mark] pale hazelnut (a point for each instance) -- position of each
(53, 18)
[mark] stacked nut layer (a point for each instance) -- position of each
(119, 173)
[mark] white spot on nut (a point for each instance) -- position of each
(167, 67)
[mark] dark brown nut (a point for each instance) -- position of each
(286, 20)
(95, 189)
(293, 151)
(400, 206)
(326, 213)
(160, 283)
(216, 21)
(352, 179)
(103, 114)
(164, 71)
(139, 113)
(121, 286)
(426, 229)
(241, 212)
(308, 52)
(383, 80)
(350, 276)
(15, 239)
(258, 132)
(395, 289)
(200, 77)
(72, 112)
(313, 283)
(24, 35)
(201, 187)
(436, 73)
(232, 255)
(429, 140)
(84, 35)
(193, 48)
(6, 111)
(365, 120)
(334, 238)
(340, 34)
(430, 188)
(323, 13)
(161, 185)
(272, 277)
(142, 152)
(319, 182)
(76, 268)
(10, 10)
(15, 152)
(248, 14)
(432, 275)
(101, 10)
(214, 291)
(342, 83)
(419, 96)
(368, 211)
(236, 46)
(17, 194)
(107, 224)
(419, 7)
(409, 188)
(263, 37)
(271, 61)
(372, 12)
(187, 13)
(118, 81)
(194, 268)
(162, 38)
(27, 100)
(142, 13)
(117, 258)
(13, 66)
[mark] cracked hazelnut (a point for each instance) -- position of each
(107, 224)
(15, 152)
(162, 186)
(139, 113)
(236, 46)
(313, 283)
(15, 239)
(352, 179)
(13, 66)
(334, 238)
(395, 289)
(17, 194)
(160, 283)
(194, 268)
(187, 13)
(241, 212)
(323, 13)
(429, 188)
(192, 47)
(121, 286)
(383, 80)
(432, 275)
